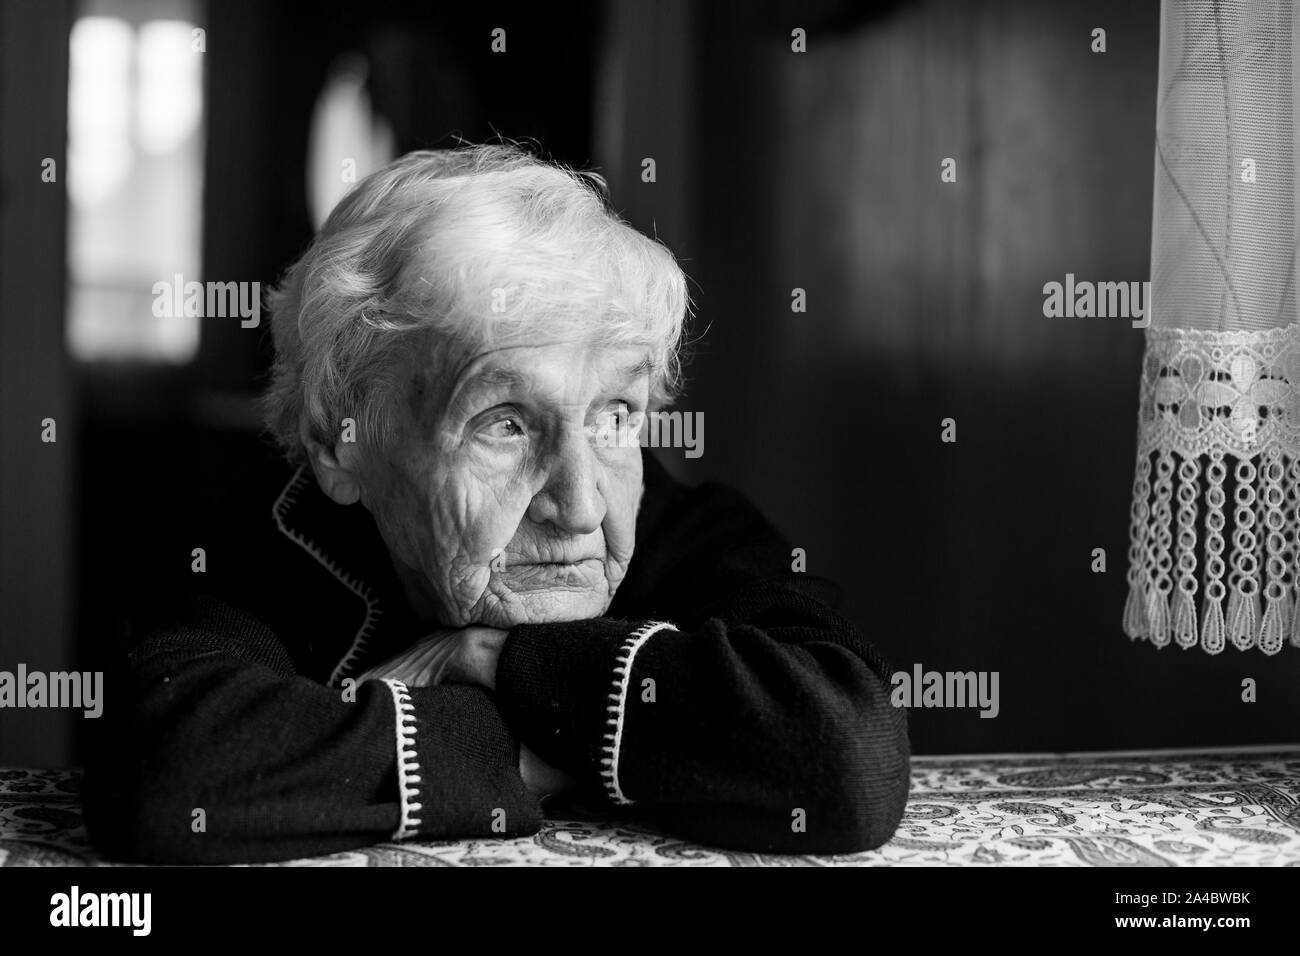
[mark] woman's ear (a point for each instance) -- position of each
(337, 469)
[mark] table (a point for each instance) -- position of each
(1159, 808)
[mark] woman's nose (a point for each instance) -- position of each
(571, 497)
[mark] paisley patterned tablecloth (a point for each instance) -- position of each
(1156, 809)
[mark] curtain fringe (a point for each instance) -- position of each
(1214, 550)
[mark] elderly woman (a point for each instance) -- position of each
(477, 590)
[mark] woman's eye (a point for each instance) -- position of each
(616, 426)
(508, 427)
(619, 414)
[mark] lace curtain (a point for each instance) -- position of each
(1214, 555)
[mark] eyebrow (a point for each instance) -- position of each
(495, 376)
(643, 367)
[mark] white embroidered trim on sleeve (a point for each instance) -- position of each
(617, 707)
(408, 766)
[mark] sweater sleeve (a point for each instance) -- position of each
(745, 713)
(224, 754)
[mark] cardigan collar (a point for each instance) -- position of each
(346, 543)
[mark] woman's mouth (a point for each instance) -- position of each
(582, 572)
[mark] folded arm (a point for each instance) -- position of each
(767, 730)
(225, 754)
(737, 708)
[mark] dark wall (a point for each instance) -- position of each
(822, 171)
(37, 517)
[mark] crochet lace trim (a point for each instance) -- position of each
(408, 763)
(617, 707)
(1214, 554)
(278, 511)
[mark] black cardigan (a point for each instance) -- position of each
(720, 698)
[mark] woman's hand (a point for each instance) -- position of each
(540, 777)
(462, 655)
(477, 651)
(468, 655)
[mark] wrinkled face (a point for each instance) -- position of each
(501, 498)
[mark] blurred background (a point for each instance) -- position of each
(214, 154)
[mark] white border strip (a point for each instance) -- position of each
(408, 761)
(617, 707)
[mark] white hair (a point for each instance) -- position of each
(473, 246)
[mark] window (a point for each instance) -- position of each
(135, 177)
